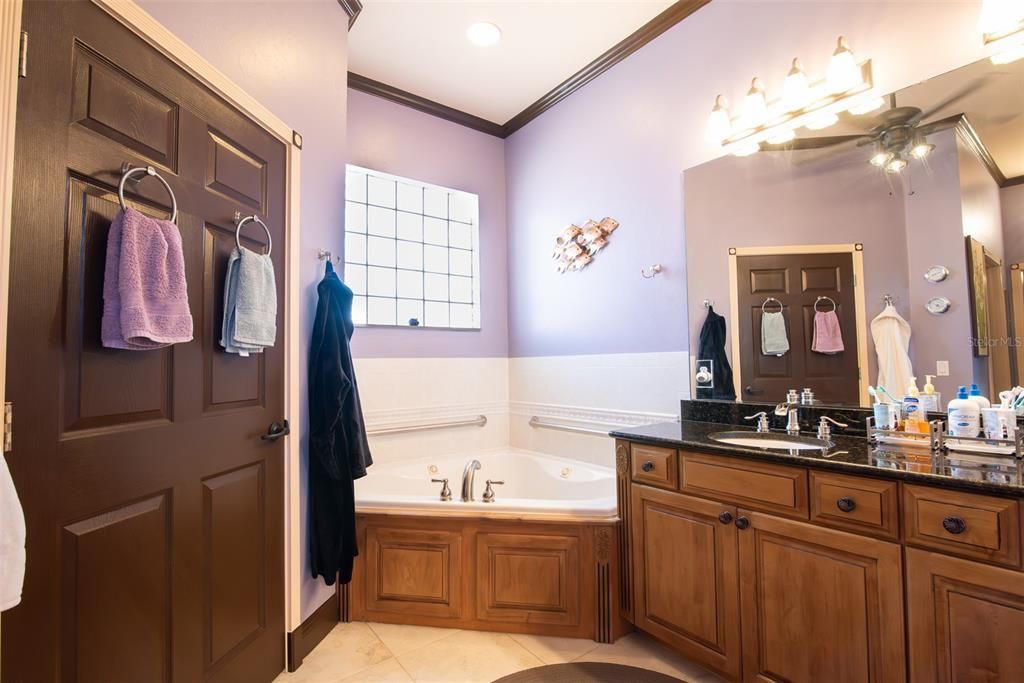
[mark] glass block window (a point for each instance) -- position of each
(411, 252)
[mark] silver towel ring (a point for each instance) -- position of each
(824, 298)
(128, 172)
(769, 300)
(238, 231)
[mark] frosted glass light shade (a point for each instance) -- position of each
(796, 89)
(1000, 16)
(843, 70)
(755, 105)
(719, 124)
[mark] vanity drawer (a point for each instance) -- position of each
(655, 466)
(858, 504)
(967, 524)
(758, 486)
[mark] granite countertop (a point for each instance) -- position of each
(1000, 475)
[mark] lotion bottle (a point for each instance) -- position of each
(975, 395)
(964, 415)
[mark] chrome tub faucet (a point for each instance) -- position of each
(467, 480)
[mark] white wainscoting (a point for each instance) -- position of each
(616, 389)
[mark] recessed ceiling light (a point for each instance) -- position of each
(483, 34)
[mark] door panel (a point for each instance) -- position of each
(964, 620)
(144, 468)
(846, 590)
(685, 582)
(797, 280)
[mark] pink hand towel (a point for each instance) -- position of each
(145, 295)
(828, 337)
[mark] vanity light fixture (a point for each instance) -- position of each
(802, 103)
(483, 34)
(1001, 24)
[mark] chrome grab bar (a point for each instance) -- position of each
(478, 421)
(572, 427)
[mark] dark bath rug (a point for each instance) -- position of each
(587, 672)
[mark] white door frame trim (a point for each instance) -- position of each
(860, 307)
(149, 29)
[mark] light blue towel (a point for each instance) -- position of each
(774, 340)
(250, 303)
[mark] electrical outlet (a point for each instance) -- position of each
(942, 368)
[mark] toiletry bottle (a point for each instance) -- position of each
(912, 421)
(964, 415)
(975, 395)
(929, 400)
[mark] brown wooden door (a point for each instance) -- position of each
(819, 605)
(797, 280)
(686, 590)
(154, 510)
(965, 620)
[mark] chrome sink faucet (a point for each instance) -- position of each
(793, 419)
(467, 480)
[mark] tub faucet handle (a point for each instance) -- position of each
(489, 492)
(446, 493)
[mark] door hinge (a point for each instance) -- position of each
(8, 427)
(23, 56)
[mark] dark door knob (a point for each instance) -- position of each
(647, 466)
(725, 517)
(846, 504)
(276, 430)
(742, 522)
(954, 525)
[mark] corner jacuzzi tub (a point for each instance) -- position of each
(536, 485)
(544, 558)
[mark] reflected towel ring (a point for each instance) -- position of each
(238, 230)
(127, 172)
(824, 298)
(768, 301)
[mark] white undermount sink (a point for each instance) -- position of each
(782, 442)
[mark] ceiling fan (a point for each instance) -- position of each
(894, 134)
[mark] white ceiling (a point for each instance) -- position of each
(420, 46)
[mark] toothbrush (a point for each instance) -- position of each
(874, 394)
(891, 398)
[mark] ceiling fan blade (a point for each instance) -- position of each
(967, 90)
(941, 124)
(810, 143)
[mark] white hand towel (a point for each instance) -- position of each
(12, 541)
(774, 340)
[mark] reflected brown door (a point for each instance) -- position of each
(797, 280)
(154, 509)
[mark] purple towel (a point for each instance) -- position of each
(145, 295)
(828, 337)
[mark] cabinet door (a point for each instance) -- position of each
(965, 620)
(819, 605)
(686, 591)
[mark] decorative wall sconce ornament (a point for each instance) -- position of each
(648, 273)
(1001, 24)
(847, 86)
(576, 246)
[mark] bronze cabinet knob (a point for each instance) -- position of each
(954, 525)
(846, 504)
(725, 517)
(647, 466)
(742, 522)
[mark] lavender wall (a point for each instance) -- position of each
(1011, 200)
(292, 57)
(619, 146)
(388, 137)
(767, 200)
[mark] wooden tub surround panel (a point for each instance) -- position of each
(516, 575)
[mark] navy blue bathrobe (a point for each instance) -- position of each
(338, 451)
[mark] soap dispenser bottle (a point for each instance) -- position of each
(975, 395)
(964, 415)
(912, 419)
(929, 399)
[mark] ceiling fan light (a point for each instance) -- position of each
(921, 149)
(796, 89)
(821, 121)
(719, 123)
(896, 164)
(867, 106)
(880, 158)
(843, 71)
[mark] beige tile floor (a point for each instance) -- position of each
(368, 652)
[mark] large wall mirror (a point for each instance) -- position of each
(910, 217)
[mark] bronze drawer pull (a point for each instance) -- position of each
(954, 525)
(647, 466)
(725, 517)
(846, 504)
